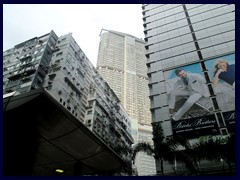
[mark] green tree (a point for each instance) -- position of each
(215, 150)
(166, 149)
(126, 153)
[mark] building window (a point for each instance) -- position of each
(89, 112)
(39, 57)
(59, 54)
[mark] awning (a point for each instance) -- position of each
(40, 136)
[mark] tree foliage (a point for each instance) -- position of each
(165, 149)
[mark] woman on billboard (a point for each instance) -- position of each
(225, 72)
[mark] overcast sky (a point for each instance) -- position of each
(85, 21)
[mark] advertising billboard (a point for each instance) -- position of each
(221, 71)
(190, 105)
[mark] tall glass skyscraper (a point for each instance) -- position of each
(197, 40)
(122, 64)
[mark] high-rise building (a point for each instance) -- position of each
(73, 80)
(122, 64)
(144, 163)
(81, 126)
(25, 65)
(191, 38)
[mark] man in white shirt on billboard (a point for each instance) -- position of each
(191, 85)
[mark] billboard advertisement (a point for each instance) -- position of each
(221, 71)
(190, 105)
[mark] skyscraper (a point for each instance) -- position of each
(122, 64)
(191, 38)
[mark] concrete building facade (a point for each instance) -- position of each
(58, 65)
(78, 86)
(25, 65)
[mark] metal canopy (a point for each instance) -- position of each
(40, 136)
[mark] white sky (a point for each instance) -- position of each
(85, 21)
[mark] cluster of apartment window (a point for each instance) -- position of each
(122, 63)
(145, 163)
(99, 106)
(66, 78)
(25, 65)
(68, 75)
(148, 165)
(113, 76)
(111, 50)
(108, 107)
